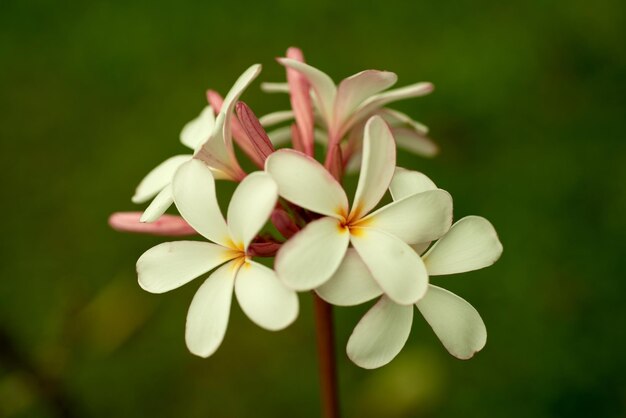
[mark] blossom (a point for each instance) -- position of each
(348, 105)
(211, 140)
(381, 238)
(261, 295)
(470, 244)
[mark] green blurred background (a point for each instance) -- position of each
(530, 114)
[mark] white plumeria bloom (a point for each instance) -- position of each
(381, 238)
(210, 139)
(471, 244)
(261, 295)
(354, 100)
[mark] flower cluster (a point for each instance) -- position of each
(294, 210)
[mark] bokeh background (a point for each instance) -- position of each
(530, 115)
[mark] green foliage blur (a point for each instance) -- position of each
(530, 114)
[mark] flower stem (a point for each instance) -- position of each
(326, 355)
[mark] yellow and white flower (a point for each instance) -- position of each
(381, 238)
(261, 295)
(470, 244)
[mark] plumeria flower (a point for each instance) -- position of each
(261, 295)
(211, 141)
(471, 244)
(381, 238)
(353, 101)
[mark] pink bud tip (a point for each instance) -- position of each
(256, 135)
(166, 225)
(215, 100)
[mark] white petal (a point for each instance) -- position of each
(415, 142)
(233, 95)
(207, 318)
(305, 182)
(173, 264)
(158, 206)
(264, 298)
(353, 90)
(395, 117)
(376, 102)
(406, 92)
(398, 270)
(197, 131)
(281, 136)
(415, 219)
(194, 194)
(377, 166)
(380, 334)
(217, 151)
(276, 117)
(457, 324)
(471, 244)
(311, 256)
(158, 178)
(352, 283)
(322, 84)
(275, 87)
(407, 182)
(251, 206)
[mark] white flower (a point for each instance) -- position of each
(471, 244)
(356, 98)
(264, 298)
(211, 141)
(381, 238)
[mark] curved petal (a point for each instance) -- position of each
(280, 136)
(377, 166)
(264, 298)
(352, 283)
(353, 90)
(398, 270)
(194, 194)
(471, 244)
(158, 178)
(233, 95)
(311, 256)
(394, 117)
(250, 207)
(269, 87)
(415, 142)
(172, 264)
(276, 117)
(407, 182)
(322, 84)
(207, 318)
(218, 151)
(457, 324)
(380, 334)
(415, 219)
(406, 92)
(158, 206)
(195, 132)
(305, 182)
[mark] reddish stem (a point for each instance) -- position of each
(326, 355)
